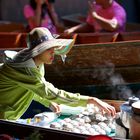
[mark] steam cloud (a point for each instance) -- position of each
(118, 87)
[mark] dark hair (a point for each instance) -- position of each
(44, 8)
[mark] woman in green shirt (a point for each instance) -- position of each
(22, 77)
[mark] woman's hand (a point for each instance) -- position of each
(103, 106)
(55, 107)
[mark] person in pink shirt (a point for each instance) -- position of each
(41, 13)
(104, 15)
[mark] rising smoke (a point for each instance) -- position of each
(118, 87)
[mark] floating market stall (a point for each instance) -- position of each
(77, 124)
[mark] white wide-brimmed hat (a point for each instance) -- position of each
(39, 40)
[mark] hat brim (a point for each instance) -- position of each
(62, 47)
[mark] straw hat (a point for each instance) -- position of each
(39, 40)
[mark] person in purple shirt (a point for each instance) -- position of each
(104, 15)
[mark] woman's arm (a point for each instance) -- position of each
(37, 18)
(33, 16)
(106, 24)
(54, 15)
(75, 99)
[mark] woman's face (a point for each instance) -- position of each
(46, 57)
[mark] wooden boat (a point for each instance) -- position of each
(22, 131)
(89, 69)
(86, 63)
(17, 40)
(12, 40)
(90, 38)
(6, 26)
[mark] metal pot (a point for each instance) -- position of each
(126, 115)
(123, 121)
(135, 121)
(126, 111)
(136, 108)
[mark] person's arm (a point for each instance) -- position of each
(84, 27)
(58, 24)
(37, 17)
(75, 99)
(53, 13)
(46, 93)
(33, 17)
(107, 24)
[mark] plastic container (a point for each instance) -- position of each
(68, 110)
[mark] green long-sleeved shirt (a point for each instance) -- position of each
(22, 83)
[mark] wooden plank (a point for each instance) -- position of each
(12, 27)
(127, 36)
(97, 55)
(90, 38)
(86, 38)
(15, 40)
(12, 40)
